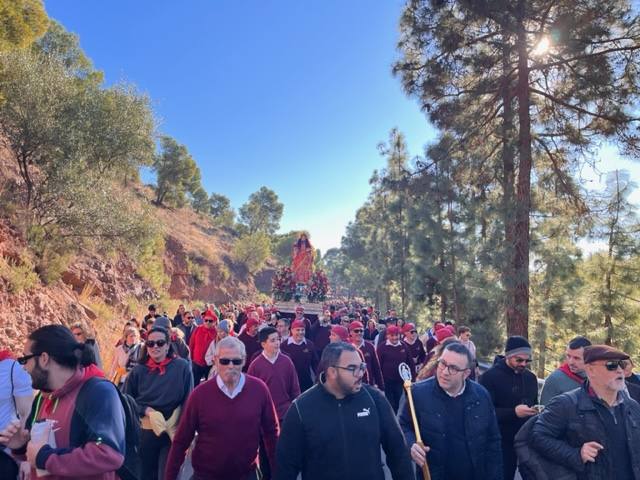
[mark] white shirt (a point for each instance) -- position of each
(388, 342)
(272, 361)
(236, 391)
(464, 385)
(290, 340)
(21, 388)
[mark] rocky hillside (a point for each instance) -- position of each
(194, 261)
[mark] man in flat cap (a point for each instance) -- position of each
(594, 430)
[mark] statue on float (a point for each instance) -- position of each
(303, 259)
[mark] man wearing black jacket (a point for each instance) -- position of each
(335, 429)
(514, 390)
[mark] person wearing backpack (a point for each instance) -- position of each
(593, 430)
(86, 442)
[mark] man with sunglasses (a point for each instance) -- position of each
(457, 422)
(334, 430)
(230, 413)
(88, 415)
(374, 372)
(514, 391)
(418, 353)
(593, 430)
(198, 345)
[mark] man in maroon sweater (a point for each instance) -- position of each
(418, 353)
(356, 337)
(250, 339)
(230, 412)
(302, 353)
(320, 332)
(391, 354)
(276, 370)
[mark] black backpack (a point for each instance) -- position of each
(531, 464)
(131, 468)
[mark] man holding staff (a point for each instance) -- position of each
(457, 422)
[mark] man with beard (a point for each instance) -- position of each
(89, 417)
(230, 413)
(514, 391)
(334, 430)
(570, 375)
(593, 430)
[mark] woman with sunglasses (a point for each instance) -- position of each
(160, 384)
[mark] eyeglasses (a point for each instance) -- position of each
(356, 370)
(357, 330)
(451, 369)
(522, 360)
(26, 358)
(152, 343)
(612, 365)
(227, 361)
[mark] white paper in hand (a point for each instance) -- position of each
(43, 432)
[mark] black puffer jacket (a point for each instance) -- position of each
(571, 420)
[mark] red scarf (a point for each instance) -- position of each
(564, 368)
(5, 354)
(161, 367)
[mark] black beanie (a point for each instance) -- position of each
(517, 345)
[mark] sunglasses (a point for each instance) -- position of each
(26, 358)
(413, 331)
(523, 360)
(358, 330)
(152, 344)
(189, 318)
(612, 365)
(208, 321)
(227, 361)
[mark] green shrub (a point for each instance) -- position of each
(252, 251)
(18, 273)
(150, 266)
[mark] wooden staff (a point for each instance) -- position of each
(405, 373)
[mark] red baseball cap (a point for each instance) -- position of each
(408, 327)
(355, 324)
(298, 324)
(393, 330)
(341, 332)
(252, 322)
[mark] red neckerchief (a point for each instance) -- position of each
(564, 368)
(161, 367)
(5, 354)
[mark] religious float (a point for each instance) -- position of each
(300, 284)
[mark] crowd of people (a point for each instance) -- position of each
(235, 392)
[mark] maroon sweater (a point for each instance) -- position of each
(252, 346)
(228, 429)
(305, 359)
(374, 373)
(390, 357)
(281, 379)
(321, 338)
(418, 353)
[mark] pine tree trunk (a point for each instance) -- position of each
(518, 324)
(508, 182)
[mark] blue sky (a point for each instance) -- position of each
(294, 95)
